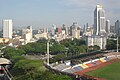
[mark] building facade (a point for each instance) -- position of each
(27, 34)
(75, 31)
(117, 27)
(100, 41)
(7, 28)
(108, 26)
(99, 20)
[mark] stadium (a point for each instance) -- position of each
(5, 64)
(81, 67)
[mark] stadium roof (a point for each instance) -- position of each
(4, 61)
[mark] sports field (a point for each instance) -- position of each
(109, 72)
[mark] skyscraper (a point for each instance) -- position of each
(87, 26)
(7, 28)
(64, 27)
(108, 26)
(117, 27)
(75, 31)
(27, 34)
(53, 28)
(99, 20)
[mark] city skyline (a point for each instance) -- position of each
(39, 13)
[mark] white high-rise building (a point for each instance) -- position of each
(99, 20)
(7, 28)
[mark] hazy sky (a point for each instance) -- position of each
(44, 13)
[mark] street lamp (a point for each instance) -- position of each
(48, 52)
(117, 44)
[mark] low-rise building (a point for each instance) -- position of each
(100, 41)
(41, 35)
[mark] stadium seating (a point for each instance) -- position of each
(78, 68)
(90, 64)
(61, 67)
(81, 64)
(84, 66)
(102, 59)
(107, 59)
(98, 62)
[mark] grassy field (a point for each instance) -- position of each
(109, 72)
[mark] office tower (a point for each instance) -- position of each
(27, 34)
(30, 28)
(99, 20)
(66, 30)
(45, 30)
(72, 28)
(7, 28)
(75, 31)
(108, 26)
(117, 27)
(112, 29)
(59, 29)
(53, 28)
(64, 27)
(84, 29)
(87, 25)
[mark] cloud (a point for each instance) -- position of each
(112, 7)
(80, 3)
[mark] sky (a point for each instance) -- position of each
(44, 13)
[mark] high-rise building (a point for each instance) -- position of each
(7, 28)
(108, 26)
(87, 25)
(59, 29)
(75, 31)
(112, 29)
(89, 31)
(117, 27)
(64, 27)
(99, 20)
(53, 28)
(27, 34)
(84, 29)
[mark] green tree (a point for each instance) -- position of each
(57, 48)
(75, 46)
(58, 57)
(95, 47)
(27, 48)
(43, 40)
(9, 52)
(27, 69)
(111, 44)
(38, 48)
(51, 76)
